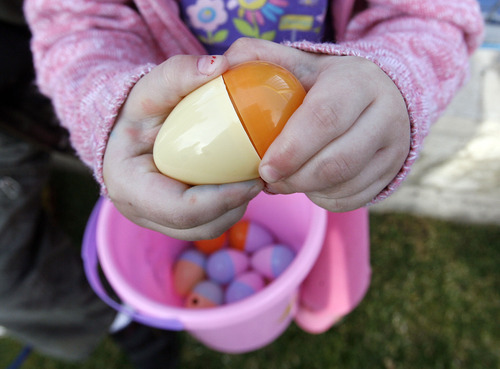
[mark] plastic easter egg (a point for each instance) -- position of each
(224, 265)
(205, 294)
(249, 236)
(189, 269)
(212, 245)
(219, 132)
(272, 260)
(243, 286)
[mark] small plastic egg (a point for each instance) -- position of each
(272, 260)
(244, 286)
(205, 294)
(212, 245)
(219, 132)
(189, 269)
(249, 236)
(224, 265)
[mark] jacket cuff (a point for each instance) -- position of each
(103, 130)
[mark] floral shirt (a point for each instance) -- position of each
(218, 23)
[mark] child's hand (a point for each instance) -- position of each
(135, 186)
(349, 138)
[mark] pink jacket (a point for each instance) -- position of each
(89, 53)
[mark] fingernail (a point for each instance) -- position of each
(256, 185)
(269, 191)
(207, 64)
(269, 174)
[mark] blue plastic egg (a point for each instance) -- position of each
(224, 265)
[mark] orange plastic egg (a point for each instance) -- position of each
(249, 236)
(211, 245)
(220, 132)
(189, 269)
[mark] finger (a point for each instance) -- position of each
(160, 90)
(299, 63)
(205, 231)
(348, 203)
(248, 49)
(360, 190)
(380, 169)
(174, 205)
(338, 162)
(322, 118)
(374, 134)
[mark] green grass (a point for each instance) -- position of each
(434, 302)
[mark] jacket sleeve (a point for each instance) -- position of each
(88, 54)
(424, 46)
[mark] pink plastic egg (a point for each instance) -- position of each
(189, 269)
(224, 265)
(244, 286)
(205, 294)
(249, 236)
(272, 260)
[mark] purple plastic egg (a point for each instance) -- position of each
(244, 286)
(189, 269)
(204, 295)
(249, 236)
(272, 260)
(224, 265)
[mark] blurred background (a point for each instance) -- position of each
(434, 301)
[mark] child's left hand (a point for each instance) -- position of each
(349, 138)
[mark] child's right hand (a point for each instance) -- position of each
(350, 137)
(137, 189)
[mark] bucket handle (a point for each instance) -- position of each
(90, 265)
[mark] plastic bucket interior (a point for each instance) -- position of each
(137, 263)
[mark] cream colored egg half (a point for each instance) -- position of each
(203, 141)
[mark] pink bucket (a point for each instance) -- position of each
(327, 278)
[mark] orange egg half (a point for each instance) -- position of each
(220, 132)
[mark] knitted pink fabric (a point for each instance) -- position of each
(89, 53)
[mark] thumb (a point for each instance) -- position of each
(247, 49)
(158, 92)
